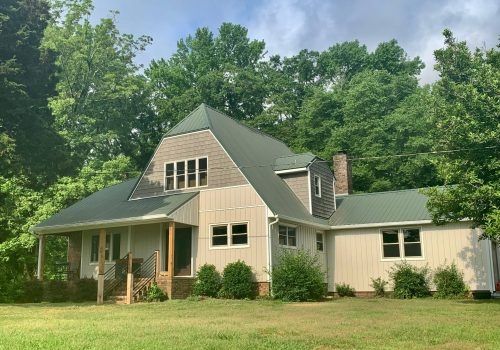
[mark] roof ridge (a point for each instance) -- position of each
(297, 154)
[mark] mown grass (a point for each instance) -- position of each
(227, 324)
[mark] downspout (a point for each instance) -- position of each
(269, 250)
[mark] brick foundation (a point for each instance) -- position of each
(176, 287)
(262, 288)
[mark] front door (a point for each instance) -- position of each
(182, 251)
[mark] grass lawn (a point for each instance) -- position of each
(227, 324)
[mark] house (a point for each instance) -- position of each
(216, 191)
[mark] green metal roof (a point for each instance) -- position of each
(111, 204)
(295, 161)
(254, 152)
(381, 207)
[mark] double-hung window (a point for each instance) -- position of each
(229, 235)
(188, 173)
(111, 249)
(319, 241)
(401, 243)
(287, 236)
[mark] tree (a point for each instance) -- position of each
(466, 116)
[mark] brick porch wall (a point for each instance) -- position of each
(177, 287)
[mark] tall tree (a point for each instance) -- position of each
(467, 119)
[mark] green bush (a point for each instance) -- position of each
(298, 277)
(237, 281)
(84, 289)
(378, 285)
(410, 281)
(449, 282)
(345, 290)
(208, 281)
(56, 291)
(155, 293)
(32, 291)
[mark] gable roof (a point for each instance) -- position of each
(380, 208)
(294, 161)
(254, 152)
(111, 206)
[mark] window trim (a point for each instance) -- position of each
(296, 236)
(318, 187)
(401, 244)
(229, 244)
(110, 259)
(186, 174)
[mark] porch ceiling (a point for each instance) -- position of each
(110, 207)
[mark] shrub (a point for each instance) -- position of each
(84, 289)
(410, 281)
(208, 281)
(32, 291)
(155, 293)
(378, 286)
(237, 281)
(298, 277)
(449, 282)
(345, 290)
(56, 291)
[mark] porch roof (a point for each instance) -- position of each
(111, 207)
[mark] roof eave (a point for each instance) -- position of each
(381, 224)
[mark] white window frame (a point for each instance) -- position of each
(401, 244)
(318, 186)
(229, 244)
(186, 177)
(110, 249)
(322, 250)
(296, 237)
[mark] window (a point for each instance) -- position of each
(111, 249)
(186, 174)
(317, 186)
(401, 243)
(238, 232)
(319, 242)
(287, 236)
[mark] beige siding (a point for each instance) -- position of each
(322, 206)
(298, 183)
(188, 213)
(232, 205)
(222, 172)
(145, 240)
(306, 240)
(356, 255)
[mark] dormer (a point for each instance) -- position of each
(311, 180)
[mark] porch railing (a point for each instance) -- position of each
(145, 273)
(115, 276)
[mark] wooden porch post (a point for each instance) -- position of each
(102, 256)
(130, 280)
(157, 252)
(171, 242)
(41, 256)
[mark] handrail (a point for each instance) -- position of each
(145, 273)
(113, 277)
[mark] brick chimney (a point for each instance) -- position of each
(342, 169)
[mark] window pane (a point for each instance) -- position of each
(411, 235)
(239, 239)
(191, 166)
(180, 168)
(219, 240)
(219, 230)
(413, 249)
(240, 228)
(202, 179)
(191, 180)
(169, 169)
(169, 183)
(390, 236)
(116, 246)
(282, 235)
(292, 241)
(202, 164)
(94, 251)
(181, 181)
(391, 251)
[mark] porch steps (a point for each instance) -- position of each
(141, 285)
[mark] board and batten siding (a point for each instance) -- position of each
(222, 172)
(306, 240)
(240, 204)
(298, 184)
(356, 255)
(323, 206)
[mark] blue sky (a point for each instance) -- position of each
(289, 25)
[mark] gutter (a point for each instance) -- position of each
(100, 223)
(380, 224)
(305, 222)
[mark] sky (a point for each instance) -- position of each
(287, 26)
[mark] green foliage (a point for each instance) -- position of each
(298, 277)
(84, 289)
(345, 290)
(56, 291)
(465, 112)
(449, 282)
(237, 281)
(155, 293)
(410, 281)
(208, 281)
(378, 285)
(32, 291)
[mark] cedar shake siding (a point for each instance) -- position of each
(298, 184)
(323, 206)
(222, 172)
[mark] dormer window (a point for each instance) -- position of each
(317, 186)
(189, 173)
